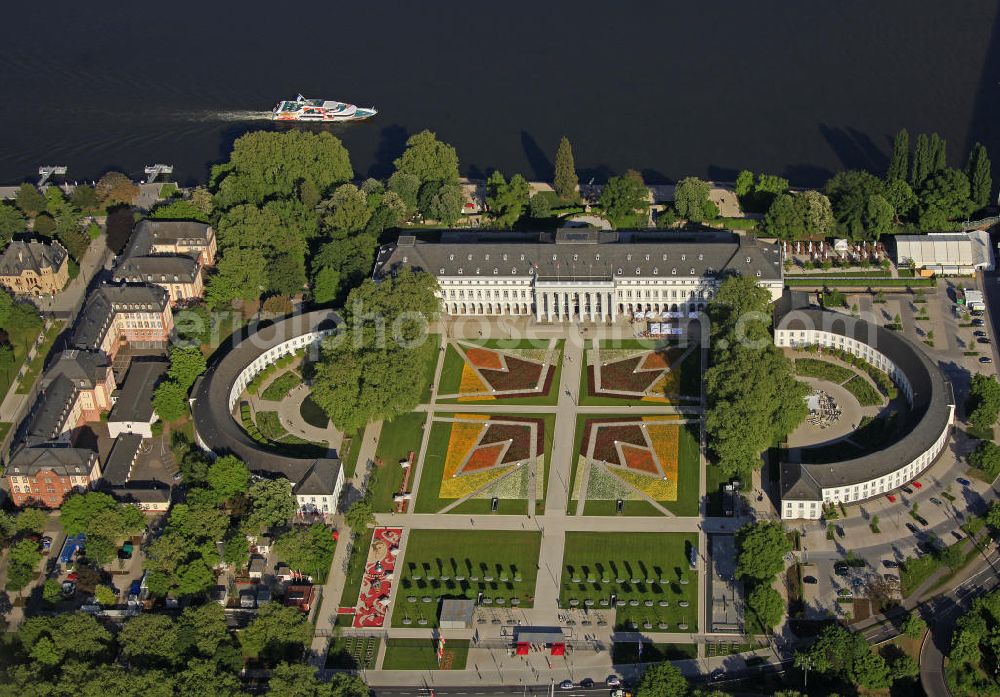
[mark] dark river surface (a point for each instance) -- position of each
(670, 88)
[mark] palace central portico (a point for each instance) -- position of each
(581, 275)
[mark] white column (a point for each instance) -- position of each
(613, 303)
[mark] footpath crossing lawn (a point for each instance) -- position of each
(461, 564)
(641, 570)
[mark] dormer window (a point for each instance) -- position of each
(441, 271)
(469, 258)
(758, 274)
(554, 257)
(576, 257)
(647, 257)
(522, 257)
(459, 270)
(748, 260)
(597, 257)
(692, 271)
(477, 270)
(684, 257)
(701, 257)
(405, 259)
(505, 257)
(628, 258)
(513, 271)
(673, 272)
(496, 271)
(638, 271)
(656, 271)
(619, 271)
(664, 257)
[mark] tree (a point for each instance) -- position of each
(370, 373)
(202, 630)
(566, 182)
(744, 183)
(406, 186)
(267, 165)
(44, 225)
(979, 172)
(952, 557)
(690, 197)
(761, 551)
(186, 364)
(347, 210)
(446, 204)
(105, 596)
(900, 196)
(879, 216)
(308, 550)
(150, 640)
(429, 159)
(71, 235)
(71, 636)
(921, 161)
(202, 677)
(114, 188)
(986, 457)
(12, 222)
(983, 405)
(937, 148)
(944, 194)
(903, 667)
(241, 273)
(993, 516)
(899, 163)
(361, 514)
(22, 559)
(871, 671)
(170, 400)
(119, 229)
(227, 477)
(178, 209)
(79, 510)
(325, 285)
(31, 520)
(662, 680)
(84, 198)
(277, 633)
(505, 200)
(51, 592)
(29, 199)
(784, 218)
(625, 200)
(850, 192)
(817, 213)
(766, 606)
(272, 503)
(914, 626)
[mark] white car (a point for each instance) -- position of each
(613, 681)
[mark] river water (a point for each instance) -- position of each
(799, 89)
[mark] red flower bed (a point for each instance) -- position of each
(520, 375)
(483, 458)
(620, 376)
(519, 435)
(604, 446)
(639, 459)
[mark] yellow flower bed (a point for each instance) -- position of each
(457, 487)
(665, 439)
(661, 417)
(667, 384)
(653, 487)
(472, 386)
(463, 438)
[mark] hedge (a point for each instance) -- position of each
(862, 282)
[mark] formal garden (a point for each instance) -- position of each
(473, 459)
(855, 383)
(462, 564)
(645, 577)
(662, 372)
(648, 463)
(517, 372)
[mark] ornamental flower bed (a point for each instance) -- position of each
(653, 487)
(665, 440)
(483, 458)
(520, 375)
(640, 460)
(667, 386)
(513, 485)
(605, 486)
(484, 359)
(519, 435)
(621, 376)
(604, 446)
(654, 361)
(472, 387)
(465, 484)
(463, 438)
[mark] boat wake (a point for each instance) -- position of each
(234, 116)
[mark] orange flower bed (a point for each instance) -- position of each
(654, 361)
(484, 359)
(483, 458)
(463, 438)
(639, 459)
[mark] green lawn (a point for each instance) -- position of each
(21, 339)
(349, 452)
(398, 438)
(356, 569)
(430, 365)
(38, 362)
(638, 568)
(451, 372)
(715, 477)
(269, 425)
(281, 386)
(353, 652)
(461, 564)
(421, 654)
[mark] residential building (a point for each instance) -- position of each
(116, 315)
(806, 486)
(174, 237)
(180, 275)
(46, 475)
(582, 275)
(34, 268)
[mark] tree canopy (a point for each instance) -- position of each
(691, 200)
(375, 368)
(663, 680)
(114, 188)
(566, 183)
(761, 549)
(308, 550)
(625, 200)
(979, 171)
(505, 200)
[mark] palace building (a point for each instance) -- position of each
(581, 274)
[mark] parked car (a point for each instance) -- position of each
(920, 519)
(840, 568)
(963, 481)
(957, 535)
(979, 332)
(907, 489)
(892, 499)
(983, 340)
(917, 484)
(978, 323)
(809, 579)
(46, 543)
(566, 685)
(857, 582)
(913, 528)
(613, 681)
(845, 592)
(586, 682)
(889, 564)
(718, 674)
(985, 359)
(892, 578)
(936, 501)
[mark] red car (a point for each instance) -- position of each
(918, 484)
(71, 576)
(892, 499)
